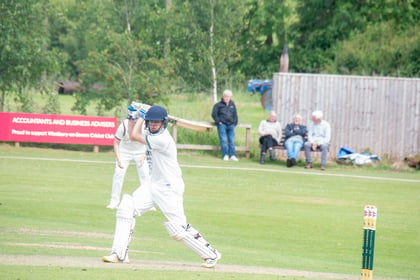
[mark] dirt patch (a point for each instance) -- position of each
(95, 262)
(89, 262)
(65, 245)
(71, 246)
(42, 232)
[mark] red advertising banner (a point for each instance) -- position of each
(23, 127)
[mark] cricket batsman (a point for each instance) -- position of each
(164, 190)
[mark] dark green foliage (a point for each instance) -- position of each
(264, 33)
(325, 23)
(124, 71)
(380, 50)
(356, 37)
(24, 49)
(148, 49)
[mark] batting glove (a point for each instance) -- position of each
(132, 113)
(141, 113)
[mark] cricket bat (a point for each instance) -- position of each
(193, 125)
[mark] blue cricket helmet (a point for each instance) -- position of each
(157, 113)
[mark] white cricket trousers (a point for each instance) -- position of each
(119, 173)
(168, 197)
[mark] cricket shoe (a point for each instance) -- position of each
(210, 263)
(113, 258)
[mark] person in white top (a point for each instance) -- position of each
(125, 152)
(319, 136)
(165, 190)
(270, 135)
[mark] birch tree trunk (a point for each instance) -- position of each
(167, 47)
(128, 8)
(213, 65)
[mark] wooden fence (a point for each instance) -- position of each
(246, 148)
(375, 114)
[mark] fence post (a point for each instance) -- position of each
(248, 142)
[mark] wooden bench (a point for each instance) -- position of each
(281, 147)
(246, 148)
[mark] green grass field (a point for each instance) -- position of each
(52, 204)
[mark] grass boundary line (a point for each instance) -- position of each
(323, 173)
(232, 168)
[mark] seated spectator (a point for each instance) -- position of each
(270, 135)
(295, 134)
(319, 135)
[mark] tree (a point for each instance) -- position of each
(388, 46)
(78, 27)
(321, 25)
(126, 70)
(344, 36)
(380, 50)
(81, 26)
(24, 53)
(226, 22)
(203, 44)
(264, 33)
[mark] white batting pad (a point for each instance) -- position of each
(124, 227)
(176, 231)
(192, 239)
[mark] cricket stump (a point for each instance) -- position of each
(369, 228)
